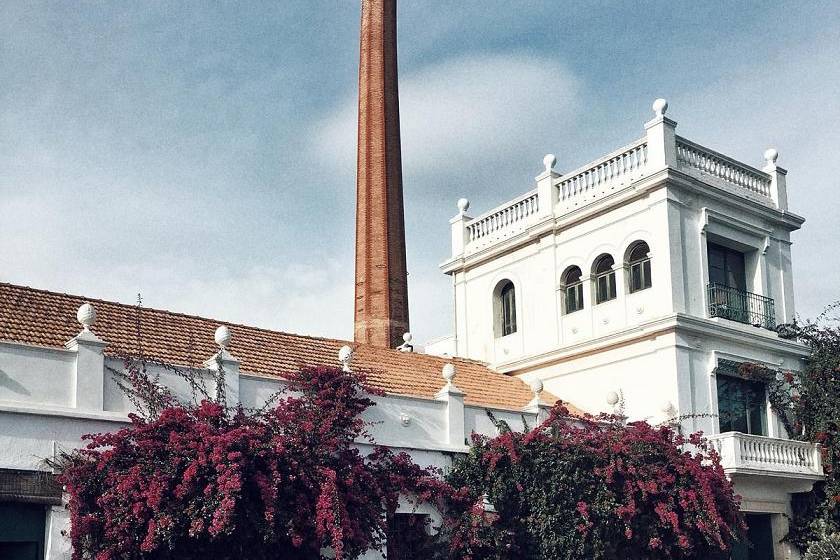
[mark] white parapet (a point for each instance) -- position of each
(751, 454)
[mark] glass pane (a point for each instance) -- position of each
(635, 277)
(602, 289)
(646, 274)
(508, 310)
(741, 405)
(726, 267)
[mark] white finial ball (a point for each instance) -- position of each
(407, 337)
(667, 407)
(86, 315)
(549, 161)
(660, 107)
(449, 372)
(463, 205)
(612, 398)
(771, 155)
(344, 354)
(537, 386)
(223, 336)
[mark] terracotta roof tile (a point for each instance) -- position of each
(46, 318)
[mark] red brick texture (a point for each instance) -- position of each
(381, 305)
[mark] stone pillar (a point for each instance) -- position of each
(381, 309)
(778, 179)
(546, 189)
(228, 364)
(460, 234)
(661, 138)
(88, 387)
(454, 399)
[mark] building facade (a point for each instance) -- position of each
(58, 358)
(640, 281)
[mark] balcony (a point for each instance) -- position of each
(745, 307)
(759, 455)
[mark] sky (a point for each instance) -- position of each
(203, 154)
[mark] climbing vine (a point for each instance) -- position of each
(202, 480)
(592, 488)
(807, 401)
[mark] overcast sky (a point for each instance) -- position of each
(203, 153)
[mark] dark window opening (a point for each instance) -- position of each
(573, 289)
(759, 542)
(726, 267)
(742, 405)
(604, 279)
(409, 537)
(508, 309)
(639, 263)
(22, 529)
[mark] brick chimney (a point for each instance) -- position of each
(381, 314)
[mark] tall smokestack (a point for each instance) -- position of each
(381, 315)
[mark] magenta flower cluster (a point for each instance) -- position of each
(208, 482)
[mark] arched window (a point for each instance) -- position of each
(604, 275)
(507, 298)
(638, 261)
(572, 289)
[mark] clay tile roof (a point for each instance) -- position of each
(45, 318)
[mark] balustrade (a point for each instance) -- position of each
(504, 220)
(695, 156)
(746, 451)
(597, 178)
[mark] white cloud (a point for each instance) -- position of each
(465, 112)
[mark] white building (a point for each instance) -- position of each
(643, 278)
(57, 383)
(647, 276)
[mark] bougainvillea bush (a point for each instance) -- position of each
(207, 482)
(592, 488)
(808, 403)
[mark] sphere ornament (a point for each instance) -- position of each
(549, 161)
(86, 315)
(463, 206)
(771, 155)
(612, 398)
(660, 107)
(223, 337)
(536, 386)
(345, 354)
(407, 337)
(448, 372)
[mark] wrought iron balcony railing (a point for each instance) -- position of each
(738, 305)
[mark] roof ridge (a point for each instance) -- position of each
(170, 312)
(231, 323)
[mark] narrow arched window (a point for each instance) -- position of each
(572, 289)
(507, 307)
(604, 275)
(638, 261)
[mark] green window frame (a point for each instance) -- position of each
(572, 290)
(508, 309)
(742, 405)
(639, 264)
(604, 279)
